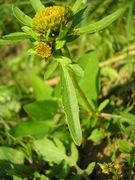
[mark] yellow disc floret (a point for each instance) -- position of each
(43, 50)
(49, 18)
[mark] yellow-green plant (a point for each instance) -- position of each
(49, 32)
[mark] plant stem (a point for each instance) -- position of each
(4, 123)
(118, 58)
(78, 169)
(82, 94)
(106, 115)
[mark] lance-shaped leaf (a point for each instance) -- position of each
(78, 17)
(16, 36)
(128, 117)
(70, 105)
(37, 5)
(77, 5)
(101, 24)
(55, 152)
(23, 18)
(51, 68)
(30, 32)
(7, 42)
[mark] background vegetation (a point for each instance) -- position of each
(34, 139)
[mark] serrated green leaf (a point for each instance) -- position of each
(101, 24)
(16, 36)
(10, 154)
(24, 19)
(53, 152)
(70, 106)
(59, 144)
(37, 5)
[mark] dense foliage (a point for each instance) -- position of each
(67, 91)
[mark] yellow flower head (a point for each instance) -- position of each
(43, 50)
(49, 18)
